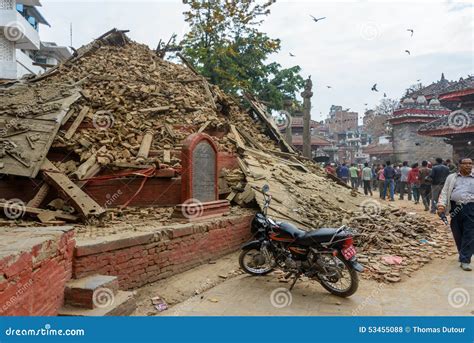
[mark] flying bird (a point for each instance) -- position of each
(292, 55)
(418, 80)
(328, 86)
(374, 88)
(410, 30)
(317, 19)
(408, 52)
(365, 104)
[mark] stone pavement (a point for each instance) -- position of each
(439, 288)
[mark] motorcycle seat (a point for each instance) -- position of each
(320, 236)
(292, 230)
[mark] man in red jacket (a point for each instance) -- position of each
(414, 182)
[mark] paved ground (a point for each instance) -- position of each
(426, 293)
(217, 289)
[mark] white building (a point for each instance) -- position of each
(21, 50)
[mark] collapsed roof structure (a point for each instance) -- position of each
(113, 118)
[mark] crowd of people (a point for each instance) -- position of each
(441, 186)
(420, 183)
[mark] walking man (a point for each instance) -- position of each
(425, 185)
(354, 176)
(457, 198)
(367, 179)
(438, 176)
(344, 173)
(414, 182)
(389, 174)
(404, 184)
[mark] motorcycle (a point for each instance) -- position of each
(326, 255)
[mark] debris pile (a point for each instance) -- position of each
(117, 105)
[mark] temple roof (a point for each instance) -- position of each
(432, 90)
(458, 122)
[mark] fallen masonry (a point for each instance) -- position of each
(102, 141)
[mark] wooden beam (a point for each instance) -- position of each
(39, 196)
(83, 203)
(80, 117)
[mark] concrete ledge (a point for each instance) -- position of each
(103, 244)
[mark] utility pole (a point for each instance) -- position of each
(306, 95)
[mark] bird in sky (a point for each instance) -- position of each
(374, 88)
(328, 86)
(317, 19)
(418, 80)
(292, 55)
(365, 104)
(408, 52)
(411, 30)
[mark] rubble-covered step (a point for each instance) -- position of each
(91, 291)
(121, 304)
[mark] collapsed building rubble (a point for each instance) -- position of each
(117, 111)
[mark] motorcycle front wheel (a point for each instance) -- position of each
(344, 280)
(254, 262)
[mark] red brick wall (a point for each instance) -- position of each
(149, 257)
(32, 282)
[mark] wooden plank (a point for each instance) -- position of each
(80, 117)
(166, 156)
(170, 130)
(83, 203)
(204, 126)
(261, 113)
(238, 140)
(39, 196)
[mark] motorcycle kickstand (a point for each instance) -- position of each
(297, 276)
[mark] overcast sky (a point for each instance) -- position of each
(359, 43)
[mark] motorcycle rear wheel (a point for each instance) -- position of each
(350, 273)
(254, 262)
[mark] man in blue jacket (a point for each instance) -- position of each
(389, 174)
(344, 173)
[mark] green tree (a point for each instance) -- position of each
(226, 46)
